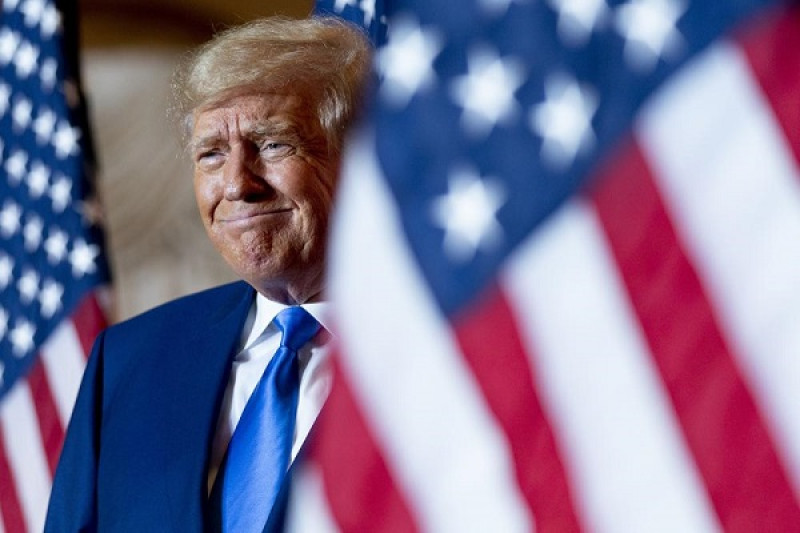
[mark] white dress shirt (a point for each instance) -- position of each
(260, 340)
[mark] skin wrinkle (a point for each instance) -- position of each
(264, 183)
(318, 108)
(274, 128)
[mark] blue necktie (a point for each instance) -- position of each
(260, 448)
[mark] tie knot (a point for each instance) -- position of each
(297, 327)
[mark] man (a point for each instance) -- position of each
(164, 435)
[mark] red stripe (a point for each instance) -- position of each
(358, 486)
(491, 345)
(50, 427)
(88, 320)
(721, 423)
(13, 520)
(772, 47)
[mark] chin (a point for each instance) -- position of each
(256, 272)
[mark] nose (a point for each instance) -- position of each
(244, 176)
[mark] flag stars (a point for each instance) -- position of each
(577, 19)
(21, 113)
(48, 72)
(9, 219)
(9, 41)
(28, 286)
(405, 63)
(50, 298)
(649, 29)
(50, 22)
(5, 97)
(82, 257)
(32, 11)
(563, 120)
(38, 178)
(61, 193)
(43, 125)
(467, 213)
(368, 7)
(339, 5)
(22, 337)
(6, 270)
(15, 166)
(32, 233)
(486, 92)
(25, 59)
(65, 140)
(56, 246)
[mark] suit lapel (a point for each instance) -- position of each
(196, 376)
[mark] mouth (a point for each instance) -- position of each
(249, 217)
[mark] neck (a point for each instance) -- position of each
(287, 296)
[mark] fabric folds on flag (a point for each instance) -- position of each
(52, 267)
(564, 274)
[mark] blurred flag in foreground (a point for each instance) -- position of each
(368, 14)
(565, 273)
(51, 261)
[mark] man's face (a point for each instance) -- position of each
(264, 185)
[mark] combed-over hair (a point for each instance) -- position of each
(322, 57)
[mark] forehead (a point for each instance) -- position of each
(241, 114)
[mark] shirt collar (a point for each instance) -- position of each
(266, 310)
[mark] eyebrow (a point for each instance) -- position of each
(197, 144)
(262, 130)
(274, 128)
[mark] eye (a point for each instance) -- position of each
(208, 158)
(207, 154)
(276, 150)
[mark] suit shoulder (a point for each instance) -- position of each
(198, 308)
(140, 342)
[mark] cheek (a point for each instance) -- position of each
(319, 191)
(318, 205)
(205, 195)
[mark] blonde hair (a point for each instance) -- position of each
(322, 57)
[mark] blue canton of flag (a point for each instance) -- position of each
(51, 248)
(368, 14)
(513, 103)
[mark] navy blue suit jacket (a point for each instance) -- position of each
(137, 448)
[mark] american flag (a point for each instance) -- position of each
(565, 273)
(370, 15)
(51, 259)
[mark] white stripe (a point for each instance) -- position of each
(26, 456)
(734, 193)
(64, 362)
(309, 513)
(442, 444)
(623, 446)
(2, 522)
